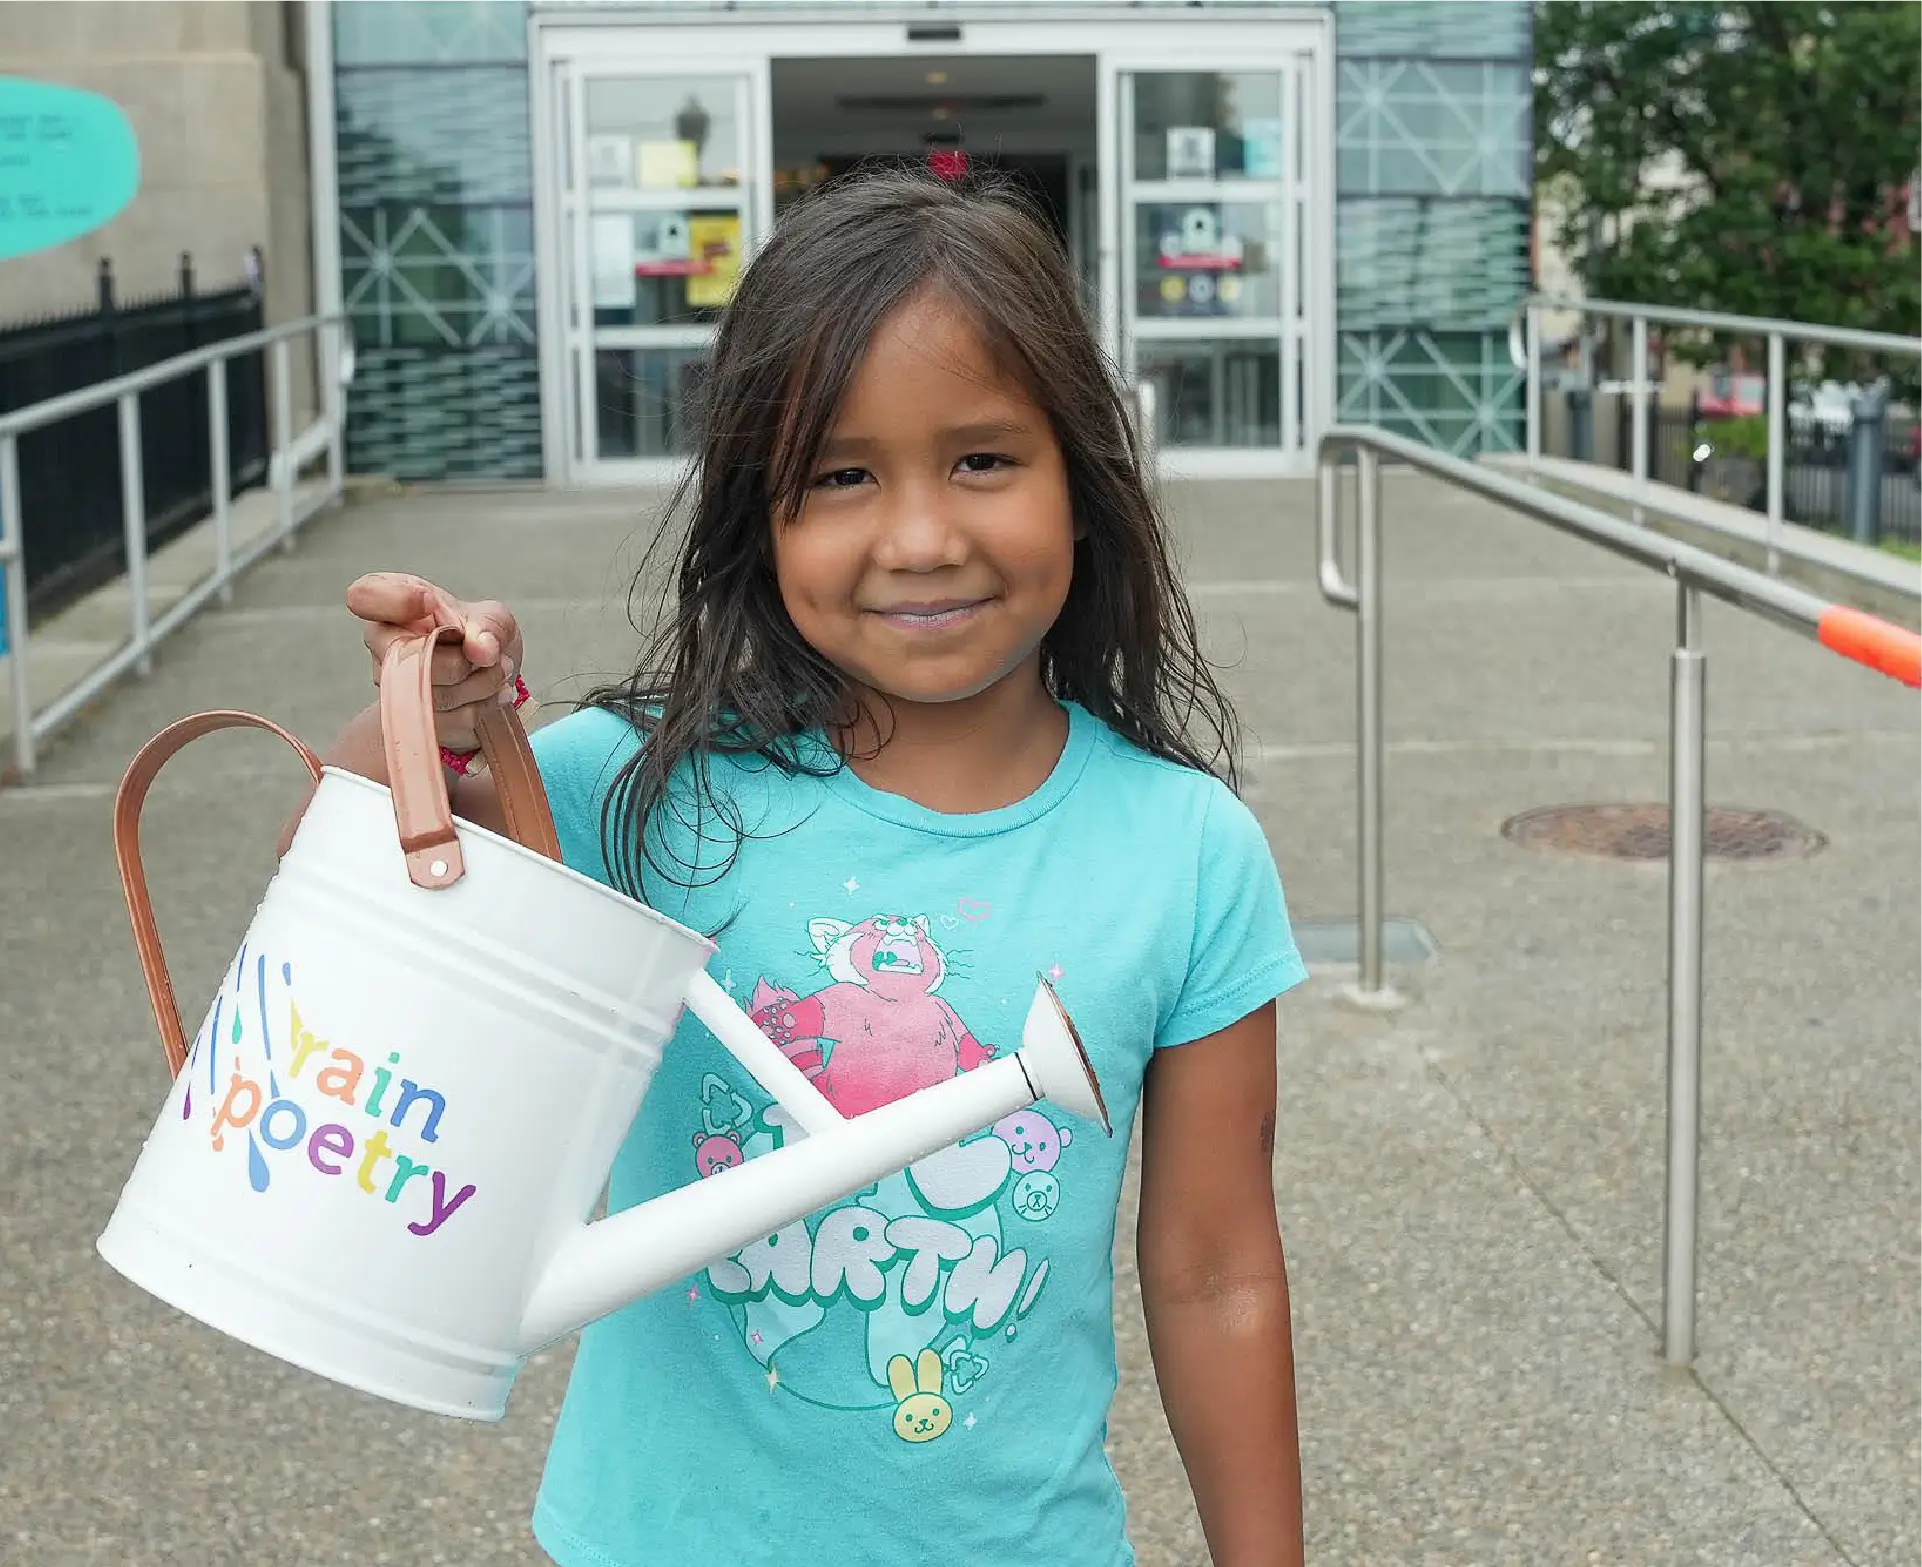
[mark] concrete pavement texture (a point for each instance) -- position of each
(1470, 1188)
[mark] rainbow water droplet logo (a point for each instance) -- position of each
(213, 1045)
(266, 1033)
(257, 1174)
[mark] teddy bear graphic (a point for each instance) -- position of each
(1034, 1149)
(716, 1151)
(878, 1031)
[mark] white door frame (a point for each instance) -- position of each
(730, 43)
(1305, 238)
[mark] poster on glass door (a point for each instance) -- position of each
(1199, 267)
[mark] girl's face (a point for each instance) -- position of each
(935, 544)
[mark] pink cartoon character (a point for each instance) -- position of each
(1034, 1141)
(716, 1151)
(879, 1031)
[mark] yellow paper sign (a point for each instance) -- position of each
(666, 165)
(714, 243)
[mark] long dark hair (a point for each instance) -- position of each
(724, 669)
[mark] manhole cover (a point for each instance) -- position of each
(1640, 832)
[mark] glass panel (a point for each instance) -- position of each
(662, 134)
(438, 276)
(1421, 128)
(439, 412)
(437, 238)
(1207, 125)
(1214, 394)
(644, 400)
(1495, 29)
(1208, 258)
(1454, 390)
(434, 136)
(664, 268)
(430, 32)
(1431, 264)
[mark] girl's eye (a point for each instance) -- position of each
(840, 479)
(984, 462)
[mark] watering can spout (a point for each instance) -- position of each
(605, 1265)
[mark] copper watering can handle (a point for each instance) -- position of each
(418, 785)
(128, 800)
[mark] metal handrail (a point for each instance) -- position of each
(1888, 648)
(324, 437)
(1778, 333)
(1758, 326)
(88, 398)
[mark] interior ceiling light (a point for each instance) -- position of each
(937, 78)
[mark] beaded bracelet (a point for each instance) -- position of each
(462, 762)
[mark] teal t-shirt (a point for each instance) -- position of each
(776, 1407)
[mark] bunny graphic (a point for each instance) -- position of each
(924, 1414)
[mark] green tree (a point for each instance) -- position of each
(1783, 141)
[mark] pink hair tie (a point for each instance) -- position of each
(462, 762)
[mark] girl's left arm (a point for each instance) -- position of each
(1214, 1288)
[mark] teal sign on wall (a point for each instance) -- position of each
(68, 163)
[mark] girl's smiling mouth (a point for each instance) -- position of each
(937, 615)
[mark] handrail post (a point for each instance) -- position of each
(1336, 589)
(1147, 425)
(1368, 714)
(222, 478)
(283, 459)
(14, 567)
(1638, 402)
(1533, 413)
(1778, 455)
(331, 341)
(133, 517)
(1687, 724)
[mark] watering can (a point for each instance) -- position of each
(382, 1149)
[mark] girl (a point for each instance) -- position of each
(925, 713)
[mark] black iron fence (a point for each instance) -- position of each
(73, 533)
(1826, 483)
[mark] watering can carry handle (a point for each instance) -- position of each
(128, 800)
(418, 785)
(418, 782)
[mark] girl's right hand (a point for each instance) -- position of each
(468, 677)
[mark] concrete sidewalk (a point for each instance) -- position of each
(1470, 1190)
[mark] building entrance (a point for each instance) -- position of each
(1182, 167)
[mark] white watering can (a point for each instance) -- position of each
(381, 1150)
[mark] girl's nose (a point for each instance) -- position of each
(918, 535)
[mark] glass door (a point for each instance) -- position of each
(660, 206)
(1211, 177)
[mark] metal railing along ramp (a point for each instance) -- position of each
(291, 453)
(1886, 648)
(1525, 351)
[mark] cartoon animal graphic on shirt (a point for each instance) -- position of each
(1034, 1142)
(716, 1151)
(923, 1414)
(1034, 1149)
(879, 1031)
(885, 1304)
